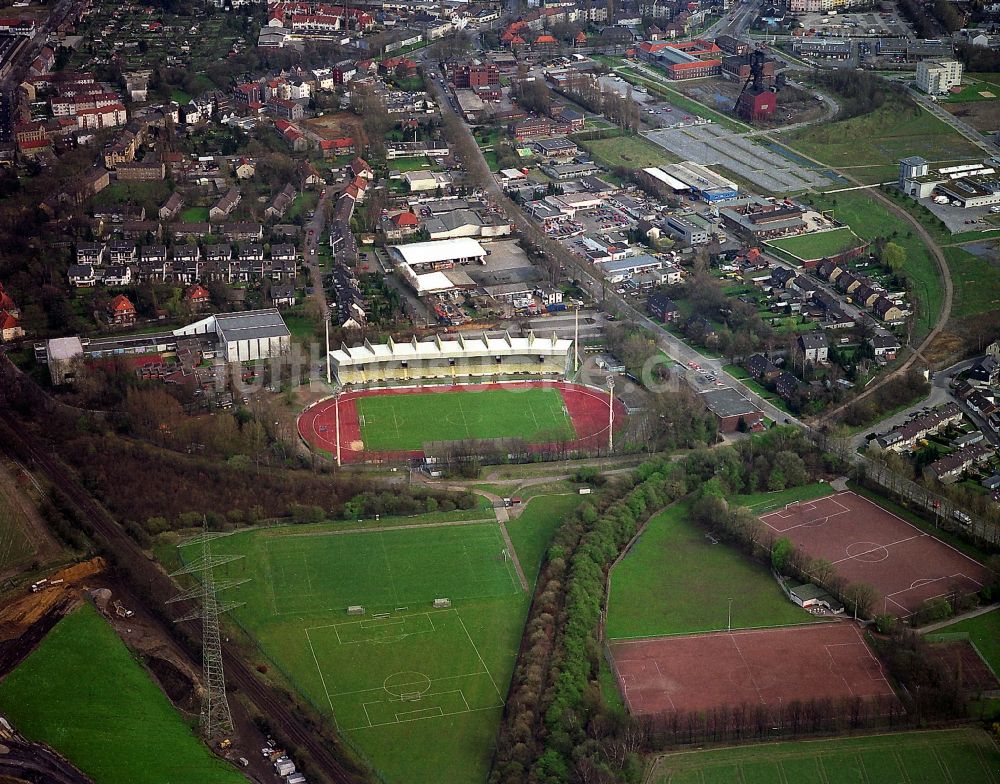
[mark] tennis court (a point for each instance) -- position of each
(867, 544)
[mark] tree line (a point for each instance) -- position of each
(557, 726)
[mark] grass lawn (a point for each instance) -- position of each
(631, 152)
(399, 422)
(866, 147)
(816, 246)
(972, 90)
(15, 547)
(418, 691)
(984, 631)
(934, 757)
(411, 164)
(870, 219)
(762, 503)
(532, 531)
(180, 96)
(302, 327)
(194, 215)
(977, 283)
(83, 693)
(303, 204)
(657, 590)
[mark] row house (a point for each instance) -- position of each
(70, 105)
(906, 436)
(951, 467)
(225, 205)
(113, 116)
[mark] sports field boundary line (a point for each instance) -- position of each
(408, 615)
(423, 718)
(322, 680)
(911, 525)
(481, 661)
(428, 693)
(643, 637)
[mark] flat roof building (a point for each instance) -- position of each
(244, 337)
(438, 253)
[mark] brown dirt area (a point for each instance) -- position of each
(335, 126)
(981, 115)
(794, 105)
(964, 337)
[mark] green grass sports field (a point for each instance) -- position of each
(657, 589)
(405, 422)
(935, 757)
(82, 693)
(816, 246)
(417, 691)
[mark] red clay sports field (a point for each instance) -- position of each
(754, 667)
(587, 409)
(867, 544)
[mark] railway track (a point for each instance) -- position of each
(137, 568)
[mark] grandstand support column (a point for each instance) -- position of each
(336, 408)
(611, 414)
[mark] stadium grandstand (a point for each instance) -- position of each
(443, 360)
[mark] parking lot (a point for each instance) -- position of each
(713, 144)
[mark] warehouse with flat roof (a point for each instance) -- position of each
(244, 337)
(438, 254)
(702, 181)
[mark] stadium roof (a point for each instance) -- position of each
(440, 250)
(460, 347)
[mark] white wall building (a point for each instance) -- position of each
(244, 337)
(936, 77)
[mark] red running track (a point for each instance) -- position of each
(867, 544)
(588, 411)
(754, 667)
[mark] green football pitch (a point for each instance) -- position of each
(815, 246)
(385, 570)
(936, 757)
(405, 422)
(417, 691)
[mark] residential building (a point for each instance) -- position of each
(937, 77)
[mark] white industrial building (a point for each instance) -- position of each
(936, 77)
(246, 336)
(964, 185)
(451, 360)
(439, 254)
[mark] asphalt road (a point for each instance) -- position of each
(24, 761)
(461, 135)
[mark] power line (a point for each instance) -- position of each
(216, 719)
